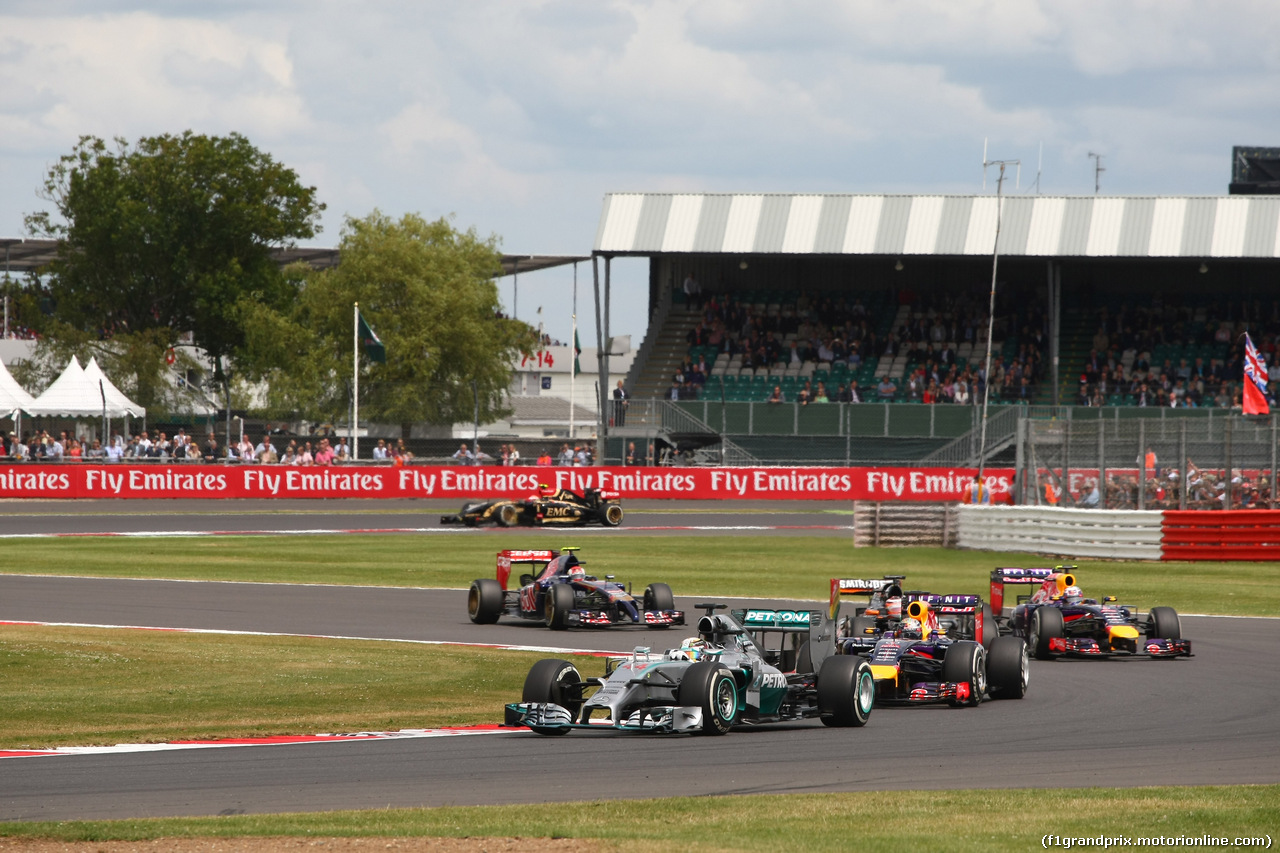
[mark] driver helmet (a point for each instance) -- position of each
(545, 491)
(893, 607)
(694, 648)
(1072, 595)
(911, 628)
(577, 573)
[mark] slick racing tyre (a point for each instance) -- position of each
(611, 515)
(709, 685)
(557, 682)
(657, 596)
(966, 663)
(1046, 624)
(846, 691)
(508, 515)
(484, 601)
(1007, 668)
(559, 603)
(1163, 624)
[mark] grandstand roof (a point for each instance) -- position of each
(19, 255)
(1050, 226)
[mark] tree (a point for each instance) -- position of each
(428, 291)
(170, 236)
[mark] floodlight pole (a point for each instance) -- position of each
(991, 317)
(1097, 171)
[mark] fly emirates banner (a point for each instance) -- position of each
(351, 481)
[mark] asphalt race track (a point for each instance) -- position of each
(649, 517)
(1207, 720)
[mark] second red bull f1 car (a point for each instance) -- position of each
(1057, 620)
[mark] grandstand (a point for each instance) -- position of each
(797, 295)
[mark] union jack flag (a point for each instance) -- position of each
(1255, 386)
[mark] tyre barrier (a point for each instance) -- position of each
(1192, 535)
(1221, 535)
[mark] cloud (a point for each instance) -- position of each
(138, 74)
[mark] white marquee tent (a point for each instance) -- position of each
(77, 393)
(116, 400)
(13, 397)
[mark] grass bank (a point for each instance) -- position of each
(998, 820)
(743, 565)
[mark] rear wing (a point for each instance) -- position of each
(789, 621)
(945, 603)
(886, 586)
(507, 559)
(1002, 577)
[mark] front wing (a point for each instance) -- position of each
(666, 719)
(603, 619)
(1088, 647)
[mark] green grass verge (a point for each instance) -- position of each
(743, 565)
(878, 821)
(87, 686)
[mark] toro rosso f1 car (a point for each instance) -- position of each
(1058, 620)
(555, 588)
(711, 683)
(547, 507)
(926, 648)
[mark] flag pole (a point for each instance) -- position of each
(355, 382)
(573, 362)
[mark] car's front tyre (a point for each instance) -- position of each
(709, 685)
(559, 604)
(966, 663)
(557, 682)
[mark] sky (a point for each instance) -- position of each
(517, 118)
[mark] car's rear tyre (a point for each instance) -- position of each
(484, 601)
(966, 663)
(657, 596)
(1007, 668)
(1163, 624)
(557, 682)
(559, 603)
(846, 691)
(611, 515)
(709, 685)
(859, 625)
(508, 515)
(990, 628)
(1046, 624)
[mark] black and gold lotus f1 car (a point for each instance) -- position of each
(547, 507)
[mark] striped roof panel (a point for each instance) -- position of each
(1083, 226)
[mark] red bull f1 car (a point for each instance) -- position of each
(547, 507)
(1057, 620)
(713, 682)
(554, 588)
(925, 648)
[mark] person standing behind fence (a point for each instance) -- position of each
(976, 493)
(620, 401)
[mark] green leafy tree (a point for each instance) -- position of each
(169, 236)
(428, 291)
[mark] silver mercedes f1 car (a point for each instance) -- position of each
(726, 676)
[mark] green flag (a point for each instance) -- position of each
(373, 346)
(577, 351)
